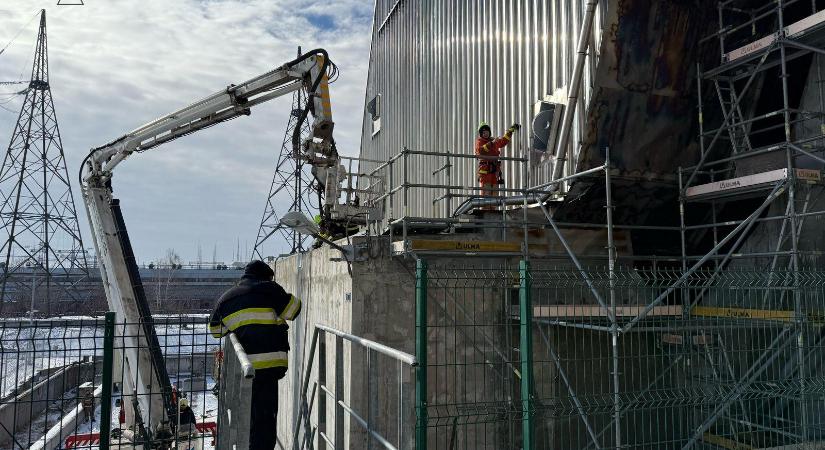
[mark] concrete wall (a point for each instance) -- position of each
(379, 304)
(29, 404)
(325, 290)
(470, 342)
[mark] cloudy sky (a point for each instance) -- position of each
(116, 64)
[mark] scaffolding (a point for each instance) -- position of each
(390, 188)
(717, 345)
(754, 146)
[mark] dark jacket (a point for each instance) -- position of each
(186, 417)
(257, 312)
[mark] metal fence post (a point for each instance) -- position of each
(421, 355)
(339, 393)
(526, 352)
(108, 367)
(322, 395)
(406, 214)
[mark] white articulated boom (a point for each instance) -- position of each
(146, 384)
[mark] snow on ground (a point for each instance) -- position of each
(203, 403)
(24, 350)
(39, 425)
(27, 348)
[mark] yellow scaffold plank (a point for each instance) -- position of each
(817, 317)
(598, 311)
(423, 245)
(742, 313)
(724, 442)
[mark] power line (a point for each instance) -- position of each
(7, 109)
(20, 31)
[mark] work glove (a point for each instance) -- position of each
(515, 127)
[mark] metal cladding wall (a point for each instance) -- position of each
(440, 67)
(443, 66)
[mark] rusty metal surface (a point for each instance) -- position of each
(644, 108)
(643, 105)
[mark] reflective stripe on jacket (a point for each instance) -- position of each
(490, 147)
(257, 312)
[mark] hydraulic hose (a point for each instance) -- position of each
(296, 133)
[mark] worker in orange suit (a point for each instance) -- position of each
(489, 166)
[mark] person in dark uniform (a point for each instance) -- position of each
(185, 415)
(257, 310)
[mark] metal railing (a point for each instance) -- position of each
(411, 189)
(392, 185)
(379, 413)
(235, 395)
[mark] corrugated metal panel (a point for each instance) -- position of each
(443, 66)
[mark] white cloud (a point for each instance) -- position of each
(117, 64)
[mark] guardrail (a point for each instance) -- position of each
(402, 175)
(235, 397)
(392, 429)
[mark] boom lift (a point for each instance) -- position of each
(146, 384)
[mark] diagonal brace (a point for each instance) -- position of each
(759, 366)
(776, 192)
(578, 264)
(570, 389)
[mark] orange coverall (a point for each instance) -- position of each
(488, 168)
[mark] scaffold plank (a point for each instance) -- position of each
(598, 311)
(678, 339)
(464, 246)
(755, 181)
(742, 313)
(751, 47)
(805, 25)
(794, 30)
(817, 317)
(724, 442)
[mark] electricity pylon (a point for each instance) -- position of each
(42, 254)
(291, 189)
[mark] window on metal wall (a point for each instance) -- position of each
(374, 109)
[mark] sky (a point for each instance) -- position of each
(117, 64)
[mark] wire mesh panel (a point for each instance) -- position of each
(473, 366)
(49, 371)
(53, 391)
(624, 358)
(172, 403)
(660, 360)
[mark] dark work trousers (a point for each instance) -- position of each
(264, 410)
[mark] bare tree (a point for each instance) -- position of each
(164, 275)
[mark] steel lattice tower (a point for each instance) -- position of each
(291, 180)
(42, 251)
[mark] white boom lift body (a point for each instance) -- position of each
(145, 382)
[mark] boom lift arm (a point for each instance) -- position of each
(146, 383)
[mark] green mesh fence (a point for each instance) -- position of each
(633, 359)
